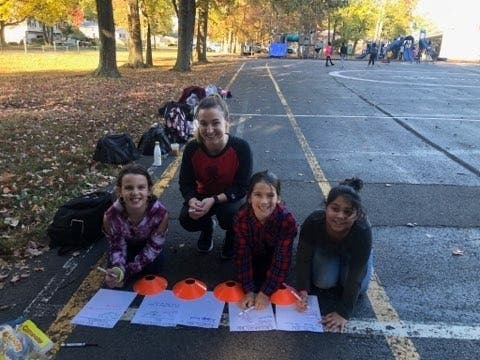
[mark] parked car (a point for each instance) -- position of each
(249, 48)
(214, 47)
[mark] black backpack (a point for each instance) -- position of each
(116, 149)
(78, 222)
(147, 141)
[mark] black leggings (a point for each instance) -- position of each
(371, 60)
(224, 212)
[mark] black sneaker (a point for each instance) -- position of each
(228, 249)
(205, 241)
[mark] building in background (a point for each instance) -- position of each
(90, 30)
(29, 29)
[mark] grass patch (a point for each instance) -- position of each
(16, 61)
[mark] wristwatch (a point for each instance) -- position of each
(216, 199)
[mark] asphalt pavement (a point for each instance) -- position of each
(410, 131)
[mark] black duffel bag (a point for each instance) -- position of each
(147, 141)
(116, 149)
(78, 222)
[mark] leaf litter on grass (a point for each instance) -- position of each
(49, 126)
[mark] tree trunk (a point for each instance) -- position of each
(186, 26)
(202, 27)
(3, 43)
(135, 56)
(45, 34)
(148, 54)
(107, 66)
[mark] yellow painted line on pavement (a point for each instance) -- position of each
(160, 186)
(61, 328)
(402, 348)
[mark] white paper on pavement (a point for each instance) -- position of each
(160, 309)
(105, 308)
(252, 320)
(204, 312)
(290, 319)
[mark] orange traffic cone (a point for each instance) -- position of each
(189, 289)
(283, 296)
(150, 285)
(229, 291)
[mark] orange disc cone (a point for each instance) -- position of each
(283, 296)
(150, 285)
(189, 289)
(229, 291)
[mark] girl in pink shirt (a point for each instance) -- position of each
(328, 54)
(135, 227)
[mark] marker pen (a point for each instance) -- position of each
(77, 344)
(293, 292)
(106, 272)
(246, 310)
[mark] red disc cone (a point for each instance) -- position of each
(229, 291)
(189, 289)
(150, 285)
(283, 296)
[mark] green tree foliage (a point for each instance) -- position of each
(353, 22)
(373, 20)
(159, 13)
(13, 12)
(89, 8)
(398, 18)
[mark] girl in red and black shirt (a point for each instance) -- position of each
(265, 232)
(214, 174)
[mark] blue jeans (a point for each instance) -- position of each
(329, 271)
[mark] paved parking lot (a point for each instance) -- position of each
(410, 131)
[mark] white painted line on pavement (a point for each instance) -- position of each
(56, 282)
(240, 126)
(412, 82)
(369, 116)
(415, 330)
(384, 328)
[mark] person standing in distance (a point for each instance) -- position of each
(214, 175)
(373, 55)
(335, 250)
(343, 54)
(328, 54)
